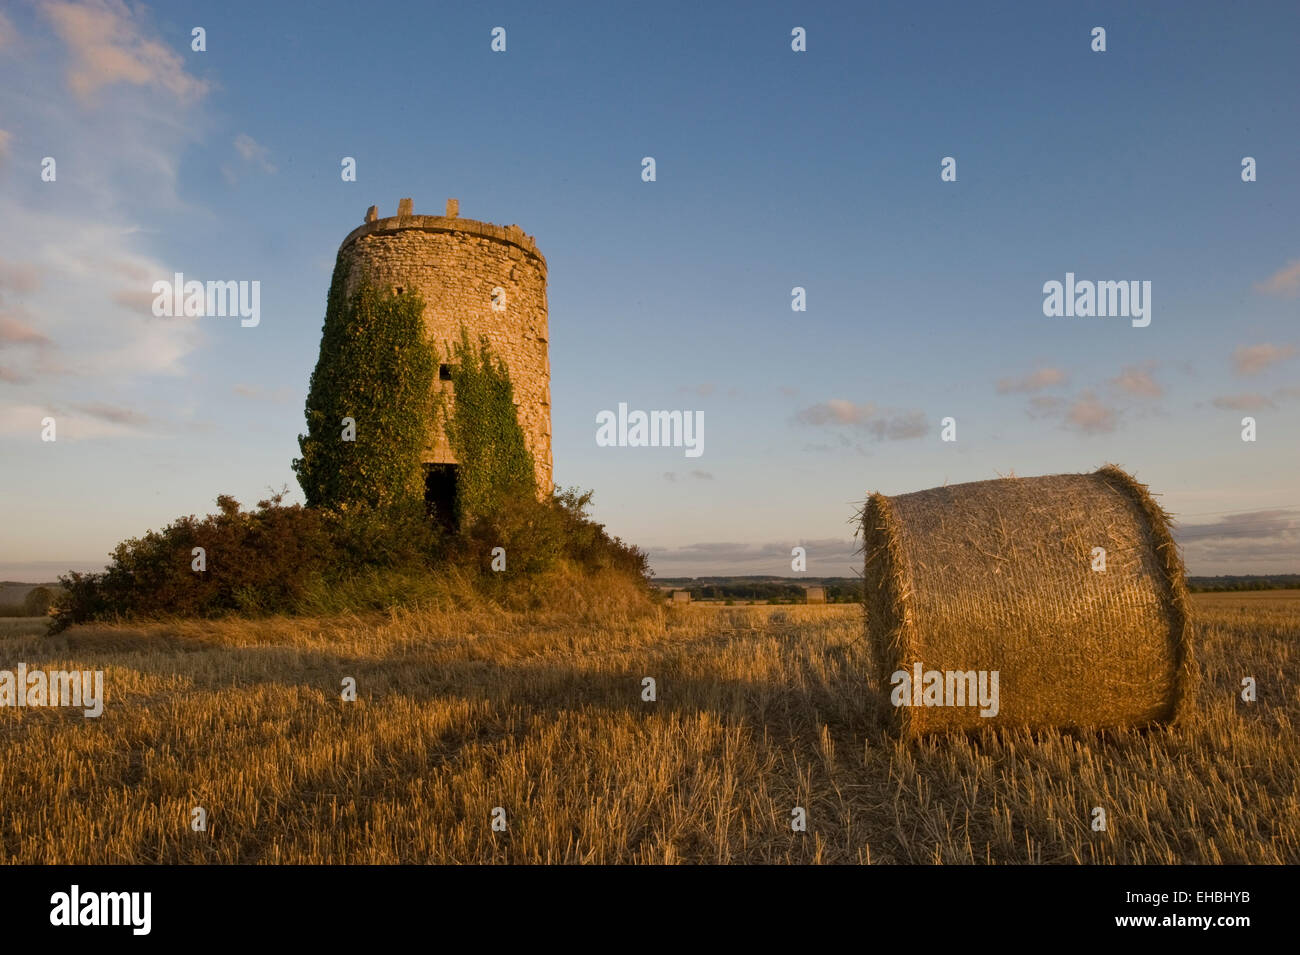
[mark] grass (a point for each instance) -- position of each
(22, 626)
(759, 710)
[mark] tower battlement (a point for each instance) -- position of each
(451, 222)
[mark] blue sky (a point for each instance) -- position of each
(775, 169)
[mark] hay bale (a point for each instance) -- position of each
(997, 576)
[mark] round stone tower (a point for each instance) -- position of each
(489, 279)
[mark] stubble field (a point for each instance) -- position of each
(758, 710)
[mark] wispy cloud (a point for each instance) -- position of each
(831, 557)
(1088, 415)
(1265, 537)
(1046, 406)
(19, 277)
(882, 424)
(1253, 359)
(1244, 402)
(1284, 282)
(1138, 381)
(74, 424)
(251, 151)
(836, 411)
(107, 45)
(7, 32)
(1035, 381)
(259, 393)
(119, 101)
(112, 413)
(14, 331)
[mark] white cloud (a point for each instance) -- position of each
(16, 330)
(71, 424)
(7, 32)
(1036, 381)
(1284, 282)
(1258, 539)
(81, 263)
(19, 277)
(832, 557)
(837, 411)
(1138, 381)
(1246, 402)
(1090, 416)
(108, 44)
(1252, 359)
(883, 424)
(251, 151)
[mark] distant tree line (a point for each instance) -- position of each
(770, 592)
(1221, 584)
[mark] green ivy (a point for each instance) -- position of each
(377, 367)
(483, 429)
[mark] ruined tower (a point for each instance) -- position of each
(489, 279)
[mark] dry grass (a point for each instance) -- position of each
(760, 709)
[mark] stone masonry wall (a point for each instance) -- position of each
(455, 264)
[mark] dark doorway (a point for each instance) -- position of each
(440, 494)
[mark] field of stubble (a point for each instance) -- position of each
(759, 710)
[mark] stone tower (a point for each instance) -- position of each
(491, 280)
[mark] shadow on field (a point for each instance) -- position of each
(829, 691)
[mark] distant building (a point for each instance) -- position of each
(681, 596)
(816, 595)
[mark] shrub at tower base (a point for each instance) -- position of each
(280, 558)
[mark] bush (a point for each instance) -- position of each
(536, 535)
(292, 559)
(396, 536)
(252, 562)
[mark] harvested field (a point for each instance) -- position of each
(759, 710)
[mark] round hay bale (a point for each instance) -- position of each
(998, 576)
